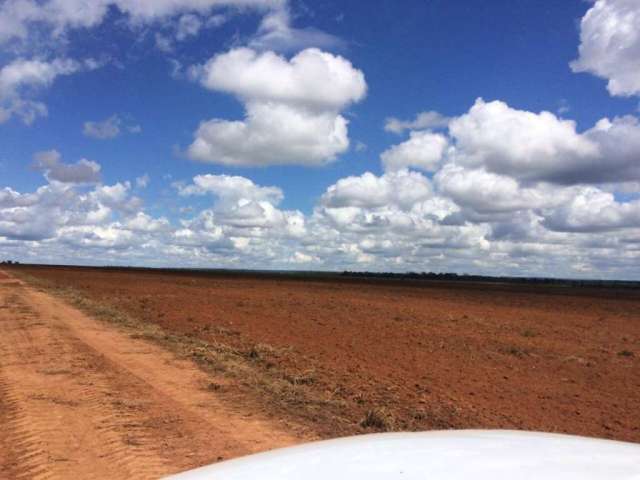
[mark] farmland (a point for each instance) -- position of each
(344, 356)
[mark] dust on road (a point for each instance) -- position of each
(79, 399)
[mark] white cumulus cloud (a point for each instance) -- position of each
(527, 146)
(519, 143)
(312, 79)
(610, 45)
(230, 188)
(292, 108)
(423, 150)
(403, 188)
(592, 210)
(272, 134)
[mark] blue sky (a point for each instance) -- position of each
(260, 134)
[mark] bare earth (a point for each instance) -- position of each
(426, 355)
(80, 399)
(282, 360)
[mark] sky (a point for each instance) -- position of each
(496, 138)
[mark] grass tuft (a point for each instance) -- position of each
(378, 419)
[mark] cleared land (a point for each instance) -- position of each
(336, 356)
(79, 399)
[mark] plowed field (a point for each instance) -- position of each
(343, 356)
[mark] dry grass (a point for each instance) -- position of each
(378, 419)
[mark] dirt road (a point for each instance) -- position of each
(80, 399)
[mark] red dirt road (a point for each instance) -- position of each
(429, 356)
(80, 399)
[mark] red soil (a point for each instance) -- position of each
(558, 359)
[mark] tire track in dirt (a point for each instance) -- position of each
(47, 422)
(79, 399)
(23, 454)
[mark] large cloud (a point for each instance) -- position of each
(403, 189)
(487, 192)
(610, 45)
(45, 213)
(242, 209)
(272, 134)
(70, 220)
(618, 142)
(391, 221)
(592, 210)
(527, 146)
(522, 144)
(311, 79)
(230, 189)
(292, 108)
(503, 162)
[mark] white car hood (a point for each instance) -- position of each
(442, 455)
